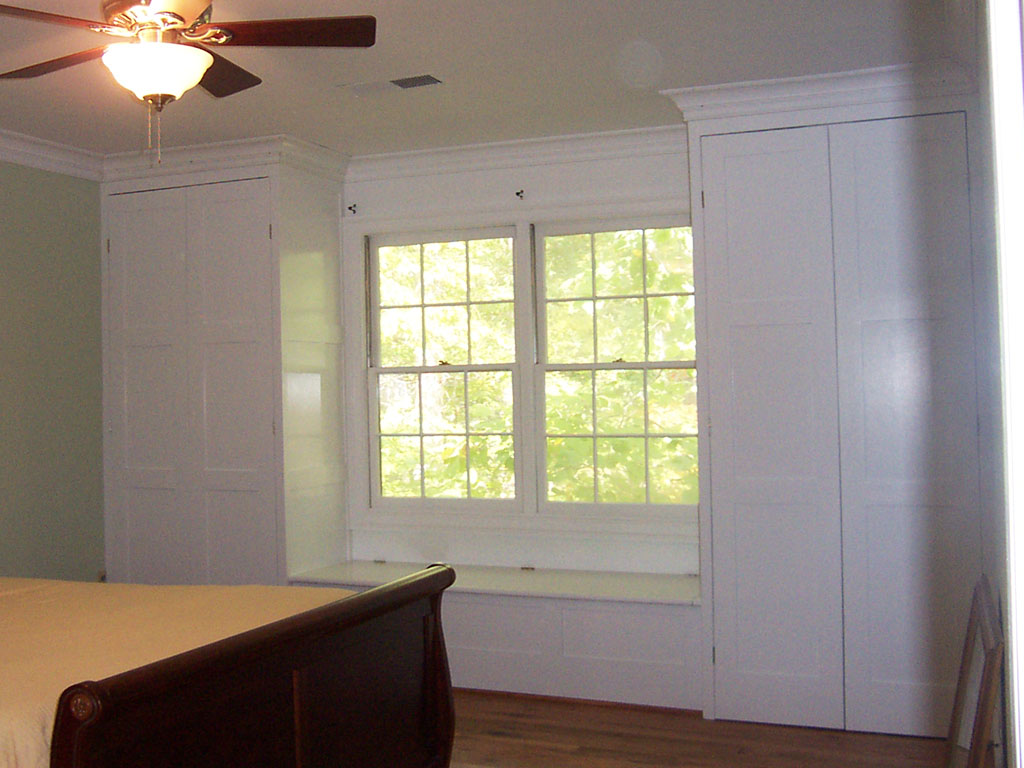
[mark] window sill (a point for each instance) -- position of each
(670, 589)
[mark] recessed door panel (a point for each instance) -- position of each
(165, 546)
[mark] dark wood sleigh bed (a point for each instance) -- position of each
(360, 682)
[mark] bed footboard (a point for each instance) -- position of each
(361, 683)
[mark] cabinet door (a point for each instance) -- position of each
(190, 482)
(911, 538)
(233, 371)
(151, 534)
(771, 378)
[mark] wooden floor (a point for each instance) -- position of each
(495, 730)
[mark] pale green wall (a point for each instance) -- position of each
(51, 467)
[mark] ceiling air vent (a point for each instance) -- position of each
(416, 82)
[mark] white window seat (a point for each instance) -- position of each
(669, 589)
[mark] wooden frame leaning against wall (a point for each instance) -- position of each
(971, 742)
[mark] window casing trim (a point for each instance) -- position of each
(527, 513)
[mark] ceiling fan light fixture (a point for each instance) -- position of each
(157, 72)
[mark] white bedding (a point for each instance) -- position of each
(54, 634)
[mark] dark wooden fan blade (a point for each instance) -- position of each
(224, 78)
(53, 65)
(67, 21)
(336, 32)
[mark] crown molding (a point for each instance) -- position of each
(49, 156)
(516, 154)
(226, 156)
(904, 83)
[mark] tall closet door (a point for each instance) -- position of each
(233, 353)
(151, 534)
(771, 378)
(908, 415)
(190, 483)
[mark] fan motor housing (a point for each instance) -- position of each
(127, 12)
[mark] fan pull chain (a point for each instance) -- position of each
(149, 131)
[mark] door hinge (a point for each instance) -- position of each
(702, 198)
(108, 245)
(270, 231)
(714, 655)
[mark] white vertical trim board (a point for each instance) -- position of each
(1007, 107)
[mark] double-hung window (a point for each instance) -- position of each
(532, 395)
(443, 369)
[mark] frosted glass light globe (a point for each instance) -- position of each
(152, 69)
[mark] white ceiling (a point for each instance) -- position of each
(511, 69)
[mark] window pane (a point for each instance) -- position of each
(570, 334)
(492, 333)
(620, 402)
(671, 330)
(620, 470)
(669, 260)
(567, 267)
(490, 401)
(401, 337)
(447, 335)
(444, 404)
(620, 330)
(491, 472)
(618, 263)
(570, 464)
(444, 272)
(568, 402)
(399, 271)
(490, 269)
(444, 467)
(672, 401)
(400, 466)
(673, 470)
(398, 398)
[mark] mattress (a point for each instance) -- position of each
(54, 634)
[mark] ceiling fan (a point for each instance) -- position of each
(166, 51)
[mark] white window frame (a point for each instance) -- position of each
(526, 531)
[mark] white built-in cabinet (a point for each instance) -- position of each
(842, 530)
(221, 336)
